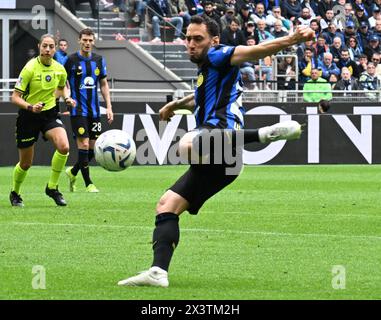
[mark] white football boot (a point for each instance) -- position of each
(155, 277)
(286, 130)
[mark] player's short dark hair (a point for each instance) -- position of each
(86, 31)
(324, 104)
(208, 3)
(211, 25)
(60, 40)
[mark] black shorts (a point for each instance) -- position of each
(202, 181)
(84, 127)
(29, 125)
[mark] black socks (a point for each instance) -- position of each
(165, 239)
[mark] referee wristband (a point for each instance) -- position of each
(67, 98)
(29, 108)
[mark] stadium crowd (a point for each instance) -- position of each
(348, 34)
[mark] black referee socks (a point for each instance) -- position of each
(165, 239)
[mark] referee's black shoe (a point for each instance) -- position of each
(15, 199)
(56, 196)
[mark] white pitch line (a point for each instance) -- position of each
(265, 233)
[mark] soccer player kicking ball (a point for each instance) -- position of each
(217, 99)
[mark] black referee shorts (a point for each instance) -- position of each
(29, 125)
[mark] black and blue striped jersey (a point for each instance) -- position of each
(218, 91)
(83, 75)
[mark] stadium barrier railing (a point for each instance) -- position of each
(263, 96)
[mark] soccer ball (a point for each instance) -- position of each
(115, 150)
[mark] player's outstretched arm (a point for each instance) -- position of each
(167, 111)
(268, 48)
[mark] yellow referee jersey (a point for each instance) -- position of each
(38, 82)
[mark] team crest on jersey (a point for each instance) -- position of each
(200, 80)
(97, 71)
(81, 130)
(48, 78)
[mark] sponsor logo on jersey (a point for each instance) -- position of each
(88, 83)
(81, 130)
(48, 78)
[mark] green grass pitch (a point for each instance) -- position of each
(276, 233)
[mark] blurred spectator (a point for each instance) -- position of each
(249, 31)
(369, 80)
(61, 54)
(302, 47)
(162, 7)
(363, 35)
(278, 29)
(262, 33)
(335, 49)
(286, 68)
(227, 17)
(305, 18)
(249, 3)
(316, 88)
(349, 16)
(347, 82)
(372, 47)
(349, 31)
(232, 35)
(291, 9)
(119, 6)
(358, 6)
(195, 7)
(376, 59)
(276, 14)
(377, 28)
(328, 67)
(355, 50)
(314, 25)
(333, 80)
(308, 63)
(72, 6)
(211, 13)
(376, 15)
(247, 69)
(320, 47)
(139, 8)
(259, 13)
(328, 19)
(346, 62)
(265, 69)
(180, 9)
(323, 7)
(360, 15)
(312, 5)
(362, 63)
(244, 15)
(332, 33)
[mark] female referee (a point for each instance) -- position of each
(41, 80)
